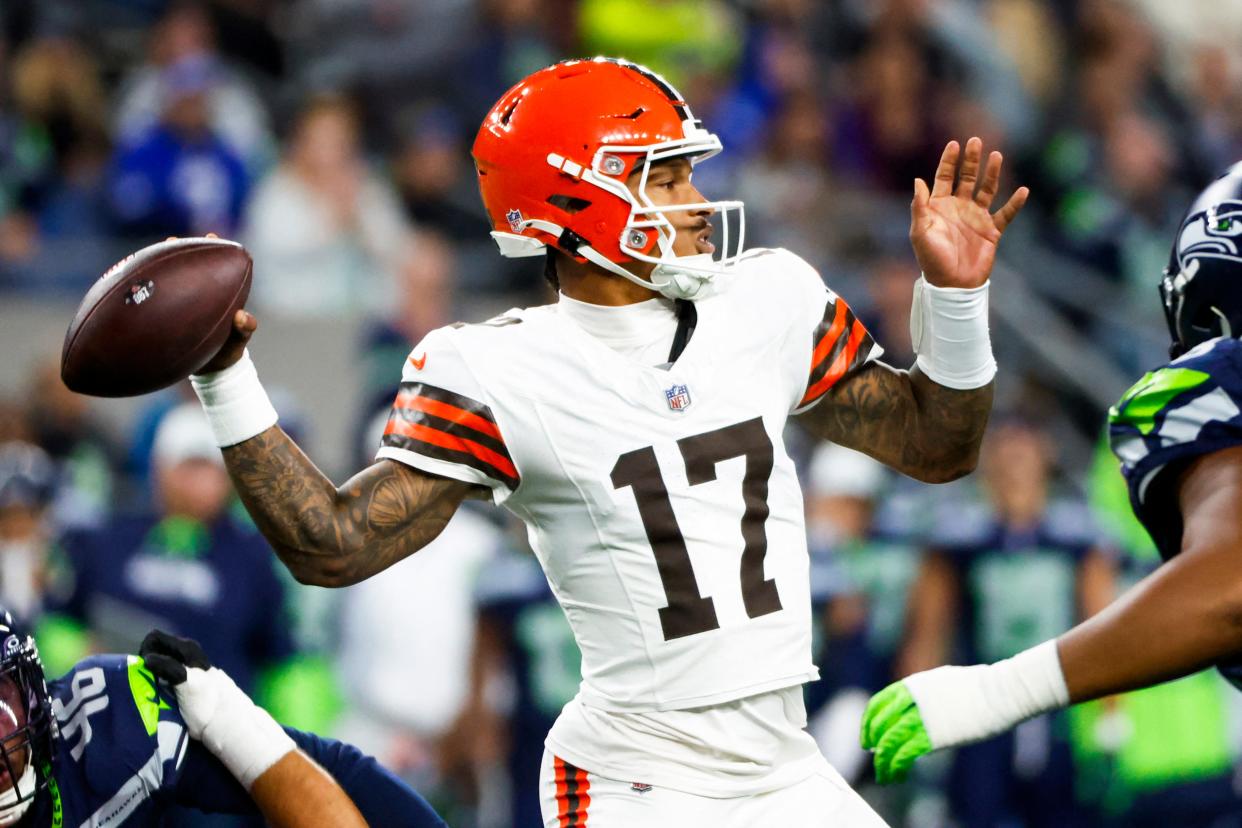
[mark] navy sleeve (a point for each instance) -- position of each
(206, 785)
(382, 798)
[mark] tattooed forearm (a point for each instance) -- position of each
(335, 537)
(905, 420)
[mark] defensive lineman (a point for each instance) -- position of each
(635, 426)
(1178, 434)
(119, 740)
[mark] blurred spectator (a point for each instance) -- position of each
(13, 424)
(232, 108)
(406, 691)
(513, 39)
(1002, 575)
(890, 280)
(188, 567)
(53, 154)
(64, 426)
(436, 180)
(889, 128)
(523, 646)
(423, 302)
(388, 53)
(178, 177)
(327, 235)
(27, 482)
(33, 570)
(862, 529)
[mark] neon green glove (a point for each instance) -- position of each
(892, 728)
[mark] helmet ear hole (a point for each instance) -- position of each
(569, 204)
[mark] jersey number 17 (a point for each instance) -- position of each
(688, 611)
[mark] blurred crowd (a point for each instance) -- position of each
(332, 137)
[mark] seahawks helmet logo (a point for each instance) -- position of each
(1215, 233)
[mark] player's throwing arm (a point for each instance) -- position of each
(327, 536)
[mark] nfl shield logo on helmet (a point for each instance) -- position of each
(678, 397)
(514, 218)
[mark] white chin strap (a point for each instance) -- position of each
(683, 277)
(10, 809)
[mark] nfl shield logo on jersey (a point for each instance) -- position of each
(678, 397)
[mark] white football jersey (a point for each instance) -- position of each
(660, 500)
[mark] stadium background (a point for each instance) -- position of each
(332, 137)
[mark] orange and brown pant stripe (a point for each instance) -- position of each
(573, 796)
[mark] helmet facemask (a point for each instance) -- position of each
(26, 722)
(678, 277)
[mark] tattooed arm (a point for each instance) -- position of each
(904, 420)
(337, 537)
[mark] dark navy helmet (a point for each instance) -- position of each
(27, 722)
(1202, 286)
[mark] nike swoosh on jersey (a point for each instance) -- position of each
(420, 362)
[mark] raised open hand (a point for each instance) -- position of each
(953, 233)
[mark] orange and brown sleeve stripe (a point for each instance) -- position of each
(840, 344)
(447, 426)
(573, 797)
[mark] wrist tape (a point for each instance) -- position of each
(242, 735)
(959, 705)
(949, 332)
(236, 404)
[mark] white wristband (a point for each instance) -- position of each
(242, 735)
(236, 404)
(966, 704)
(949, 332)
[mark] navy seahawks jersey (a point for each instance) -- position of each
(1018, 584)
(123, 756)
(1173, 415)
(120, 749)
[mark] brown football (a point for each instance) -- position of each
(155, 317)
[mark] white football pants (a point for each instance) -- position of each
(572, 798)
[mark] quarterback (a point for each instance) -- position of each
(635, 427)
(1178, 435)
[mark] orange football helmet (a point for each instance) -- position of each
(553, 157)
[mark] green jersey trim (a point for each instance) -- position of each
(1152, 394)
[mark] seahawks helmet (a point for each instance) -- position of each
(27, 724)
(1202, 286)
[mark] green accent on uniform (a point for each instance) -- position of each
(146, 696)
(301, 692)
(1150, 395)
(1224, 224)
(62, 642)
(53, 790)
(892, 728)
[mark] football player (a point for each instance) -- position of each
(1178, 435)
(119, 740)
(635, 427)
